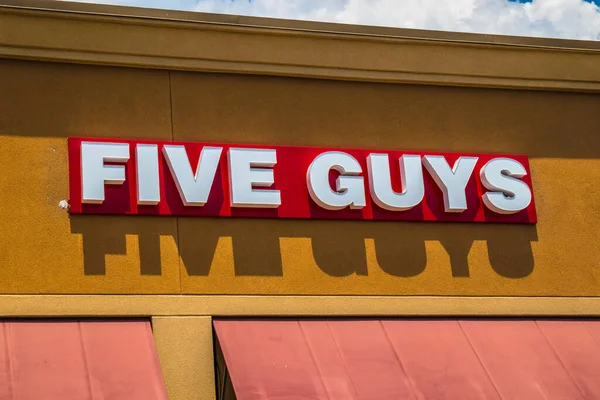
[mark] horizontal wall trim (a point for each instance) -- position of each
(133, 37)
(282, 306)
(183, 64)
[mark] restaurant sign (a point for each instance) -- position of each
(115, 176)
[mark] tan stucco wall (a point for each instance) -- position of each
(185, 350)
(53, 264)
(44, 250)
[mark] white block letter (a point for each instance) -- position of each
(452, 182)
(508, 195)
(350, 188)
(94, 174)
(193, 188)
(250, 168)
(380, 183)
(148, 184)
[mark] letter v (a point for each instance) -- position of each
(193, 188)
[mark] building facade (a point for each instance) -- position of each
(91, 71)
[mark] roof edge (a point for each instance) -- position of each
(155, 14)
(180, 40)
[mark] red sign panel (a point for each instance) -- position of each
(115, 176)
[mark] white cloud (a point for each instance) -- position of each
(576, 19)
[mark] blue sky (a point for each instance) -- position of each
(596, 2)
(571, 19)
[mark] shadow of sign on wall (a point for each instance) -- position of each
(339, 248)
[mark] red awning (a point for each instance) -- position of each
(411, 359)
(51, 360)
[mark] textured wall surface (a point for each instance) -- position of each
(185, 350)
(44, 250)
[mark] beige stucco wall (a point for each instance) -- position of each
(195, 77)
(44, 250)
